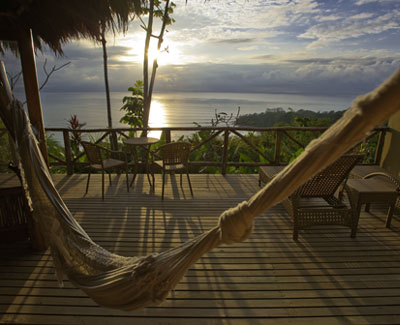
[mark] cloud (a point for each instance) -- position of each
(287, 46)
(234, 41)
(207, 22)
(247, 48)
(356, 26)
(266, 57)
(363, 2)
(317, 76)
(363, 15)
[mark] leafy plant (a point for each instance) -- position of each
(134, 106)
(76, 135)
(55, 149)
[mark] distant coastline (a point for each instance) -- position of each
(279, 116)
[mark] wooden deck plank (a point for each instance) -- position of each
(326, 277)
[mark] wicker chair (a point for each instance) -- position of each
(96, 162)
(174, 159)
(320, 200)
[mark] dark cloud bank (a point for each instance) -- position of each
(314, 76)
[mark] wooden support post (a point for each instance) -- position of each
(225, 153)
(278, 139)
(68, 152)
(168, 135)
(379, 147)
(28, 64)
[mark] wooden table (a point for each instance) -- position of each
(145, 143)
(367, 191)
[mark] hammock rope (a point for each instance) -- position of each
(129, 283)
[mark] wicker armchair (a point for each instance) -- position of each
(174, 158)
(320, 200)
(96, 162)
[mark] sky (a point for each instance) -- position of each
(311, 47)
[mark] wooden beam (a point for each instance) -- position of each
(28, 62)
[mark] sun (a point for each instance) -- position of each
(169, 54)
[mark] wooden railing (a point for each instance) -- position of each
(223, 135)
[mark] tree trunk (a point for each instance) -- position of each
(149, 86)
(147, 99)
(113, 140)
(155, 63)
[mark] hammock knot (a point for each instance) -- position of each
(236, 224)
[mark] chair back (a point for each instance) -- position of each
(93, 153)
(175, 153)
(326, 182)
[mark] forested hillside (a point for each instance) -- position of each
(280, 116)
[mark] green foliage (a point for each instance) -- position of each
(272, 116)
(55, 149)
(368, 149)
(134, 106)
(159, 11)
(237, 151)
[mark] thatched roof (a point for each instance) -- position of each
(54, 22)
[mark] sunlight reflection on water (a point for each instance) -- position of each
(156, 118)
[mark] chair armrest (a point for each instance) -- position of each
(391, 178)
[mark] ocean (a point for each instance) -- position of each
(174, 109)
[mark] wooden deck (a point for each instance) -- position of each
(324, 278)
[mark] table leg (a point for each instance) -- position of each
(358, 213)
(147, 166)
(389, 215)
(367, 206)
(136, 160)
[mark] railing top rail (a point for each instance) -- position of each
(204, 128)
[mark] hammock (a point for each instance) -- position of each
(129, 283)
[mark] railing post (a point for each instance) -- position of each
(277, 155)
(114, 140)
(225, 152)
(68, 152)
(168, 135)
(379, 147)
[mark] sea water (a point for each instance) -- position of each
(174, 109)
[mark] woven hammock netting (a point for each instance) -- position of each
(128, 283)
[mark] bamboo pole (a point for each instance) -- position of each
(28, 63)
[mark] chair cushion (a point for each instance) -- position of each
(110, 163)
(170, 167)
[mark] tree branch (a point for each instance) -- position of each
(14, 79)
(48, 74)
